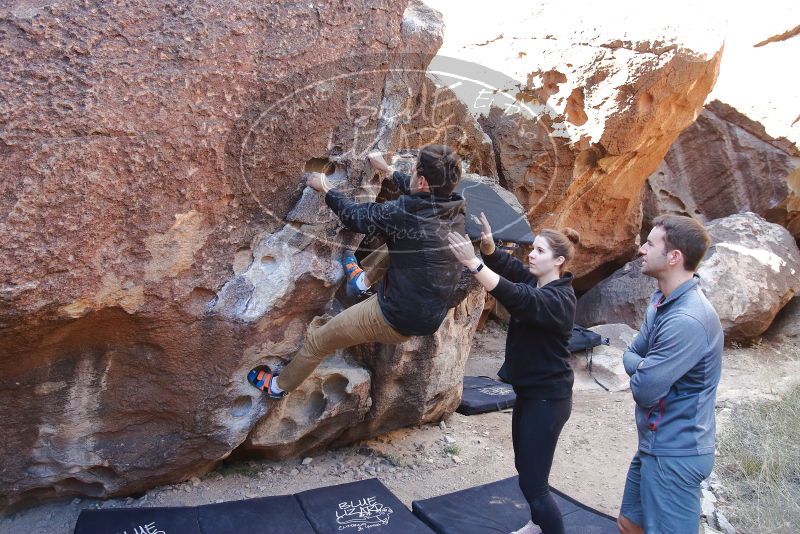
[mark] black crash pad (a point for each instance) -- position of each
(507, 224)
(353, 507)
(264, 515)
(499, 507)
(181, 520)
(482, 394)
(363, 506)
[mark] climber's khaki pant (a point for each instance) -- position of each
(362, 323)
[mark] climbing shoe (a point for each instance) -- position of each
(261, 378)
(355, 287)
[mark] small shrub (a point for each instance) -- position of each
(395, 459)
(452, 450)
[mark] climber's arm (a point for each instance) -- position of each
(378, 163)
(365, 217)
(401, 180)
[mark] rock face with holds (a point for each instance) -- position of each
(156, 241)
(598, 106)
(382, 388)
(750, 272)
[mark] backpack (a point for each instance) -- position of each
(584, 339)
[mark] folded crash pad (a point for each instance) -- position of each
(507, 224)
(481, 394)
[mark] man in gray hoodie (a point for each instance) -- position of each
(674, 363)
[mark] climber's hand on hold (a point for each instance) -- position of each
(378, 163)
(318, 182)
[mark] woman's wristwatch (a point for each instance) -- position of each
(476, 269)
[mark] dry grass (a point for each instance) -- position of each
(759, 466)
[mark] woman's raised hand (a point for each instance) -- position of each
(487, 241)
(461, 247)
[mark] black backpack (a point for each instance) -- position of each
(584, 339)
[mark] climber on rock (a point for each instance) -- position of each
(415, 272)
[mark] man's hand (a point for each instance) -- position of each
(487, 241)
(378, 163)
(318, 182)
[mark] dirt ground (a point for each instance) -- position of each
(416, 463)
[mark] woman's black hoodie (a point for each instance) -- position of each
(537, 358)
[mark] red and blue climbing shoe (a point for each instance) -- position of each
(355, 275)
(261, 378)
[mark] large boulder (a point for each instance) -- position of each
(156, 240)
(620, 298)
(756, 50)
(786, 326)
(749, 273)
(726, 163)
(752, 271)
(593, 105)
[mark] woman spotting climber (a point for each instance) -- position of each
(541, 301)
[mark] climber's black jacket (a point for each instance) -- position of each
(423, 273)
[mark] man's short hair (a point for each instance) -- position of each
(687, 235)
(441, 167)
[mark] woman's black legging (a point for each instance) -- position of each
(535, 427)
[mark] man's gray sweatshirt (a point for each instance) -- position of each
(679, 347)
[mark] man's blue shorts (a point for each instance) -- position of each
(662, 493)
